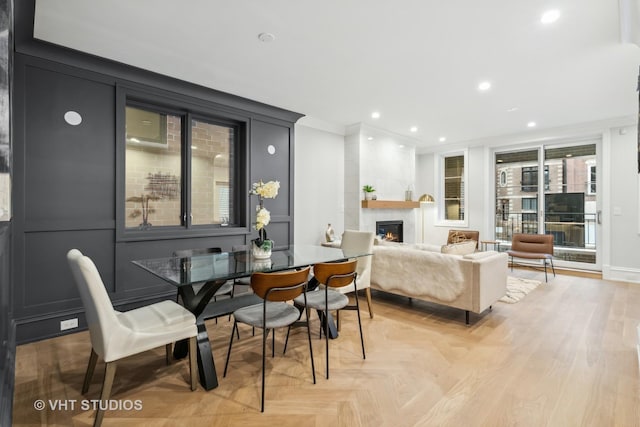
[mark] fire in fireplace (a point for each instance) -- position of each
(389, 230)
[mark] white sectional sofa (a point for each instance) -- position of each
(470, 282)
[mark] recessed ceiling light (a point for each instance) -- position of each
(400, 146)
(484, 86)
(512, 109)
(266, 37)
(375, 115)
(370, 138)
(414, 129)
(550, 16)
(531, 124)
(442, 139)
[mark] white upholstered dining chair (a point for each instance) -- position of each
(116, 335)
(358, 242)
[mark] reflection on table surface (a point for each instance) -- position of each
(229, 265)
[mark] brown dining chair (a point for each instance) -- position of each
(333, 276)
(276, 290)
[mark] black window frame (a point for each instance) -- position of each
(189, 109)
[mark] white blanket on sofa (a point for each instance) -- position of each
(419, 272)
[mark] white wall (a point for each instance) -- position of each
(319, 184)
(622, 262)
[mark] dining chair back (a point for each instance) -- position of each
(115, 335)
(358, 242)
(275, 290)
(334, 276)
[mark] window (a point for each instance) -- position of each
(212, 147)
(453, 187)
(591, 184)
(153, 168)
(181, 169)
(530, 204)
(530, 179)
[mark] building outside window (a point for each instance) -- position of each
(179, 169)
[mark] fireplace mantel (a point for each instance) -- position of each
(389, 204)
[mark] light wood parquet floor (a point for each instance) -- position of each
(563, 356)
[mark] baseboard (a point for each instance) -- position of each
(621, 274)
(48, 326)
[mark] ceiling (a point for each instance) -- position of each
(416, 62)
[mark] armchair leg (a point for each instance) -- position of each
(109, 374)
(93, 358)
(552, 267)
(367, 292)
(545, 271)
(193, 362)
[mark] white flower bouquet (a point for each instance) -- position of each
(264, 190)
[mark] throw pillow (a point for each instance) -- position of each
(457, 237)
(462, 248)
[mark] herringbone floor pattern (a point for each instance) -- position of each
(563, 356)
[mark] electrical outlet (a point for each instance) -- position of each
(68, 324)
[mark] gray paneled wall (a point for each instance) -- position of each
(7, 325)
(66, 181)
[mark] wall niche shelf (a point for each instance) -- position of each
(389, 204)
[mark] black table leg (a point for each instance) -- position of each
(196, 303)
(206, 367)
(333, 330)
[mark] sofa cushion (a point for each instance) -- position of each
(462, 248)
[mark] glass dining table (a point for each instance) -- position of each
(214, 270)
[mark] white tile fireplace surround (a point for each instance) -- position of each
(387, 162)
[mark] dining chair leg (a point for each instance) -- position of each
(338, 320)
(360, 325)
(168, 353)
(193, 363)
(273, 343)
(109, 374)
(326, 333)
(226, 364)
(93, 358)
(286, 340)
(264, 361)
(313, 367)
(367, 292)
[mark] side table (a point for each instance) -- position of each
(495, 243)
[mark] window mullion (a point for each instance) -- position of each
(186, 171)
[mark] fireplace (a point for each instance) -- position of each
(389, 230)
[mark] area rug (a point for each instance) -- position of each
(518, 288)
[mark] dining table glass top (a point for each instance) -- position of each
(181, 271)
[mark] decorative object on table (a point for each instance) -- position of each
(329, 234)
(368, 192)
(408, 194)
(261, 247)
